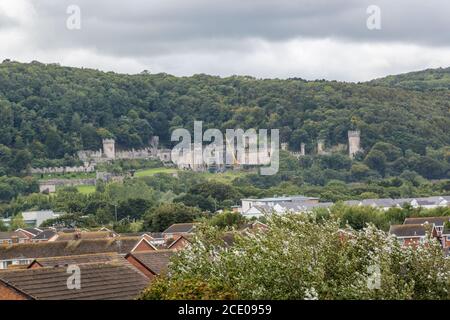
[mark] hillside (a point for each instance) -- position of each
(430, 79)
(50, 112)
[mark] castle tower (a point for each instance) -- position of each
(284, 146)
(320, 147)
(354, 143)
(302, 149)
(109, 149)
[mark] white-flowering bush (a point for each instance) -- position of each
(297, 258)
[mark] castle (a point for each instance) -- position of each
(219, 158)
(109, 153)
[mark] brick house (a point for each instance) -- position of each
(7, 238)
(436, 223)
(98, 281)
(24, 254)
(53, 262)
(150, 263)
(409, 234)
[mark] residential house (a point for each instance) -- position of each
(53, 262)
(30, 232)
(250, 202)
(100, 281)
(24, 254)
(179, 229)
(77, 235)
(150, 263)
(409, 234)
(7, 238)
(437, 223)
(45, 235)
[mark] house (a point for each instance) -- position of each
(409, 234)
(53, 262)
(179, 243)
(258, 211)
(387, 203)
(437, 223)
(7, 238)
(179, 229)
(445, 238)
(45, 235)
(250, 202)
(99, 281)
(77, 235)
(30, 232)
(155, 238)
(150, 263)
(24, 254)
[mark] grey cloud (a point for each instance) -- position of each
(147, 27)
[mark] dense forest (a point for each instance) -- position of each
(49, 112)
(430, 79)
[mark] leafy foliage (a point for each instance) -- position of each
(298, 258)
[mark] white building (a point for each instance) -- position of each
(34, 218)
(250, 202)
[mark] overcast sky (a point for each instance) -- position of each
(311, 39)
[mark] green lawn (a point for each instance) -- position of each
(225, 177)
(152, 171)
(86, 189)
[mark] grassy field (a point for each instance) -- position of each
(86, 189)
(152, 171)
(225, 177)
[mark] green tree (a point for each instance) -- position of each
(17, 222)
(160, 218)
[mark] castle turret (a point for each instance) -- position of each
(354, 143)
(302, 149)
(320, 146)
(109, 149)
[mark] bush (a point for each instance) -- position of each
(298, 258)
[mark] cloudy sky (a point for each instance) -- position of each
(311, 39)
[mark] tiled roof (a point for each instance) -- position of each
(32, 231)
(99, 281)
(180, 228)
(45, 235)
(64, 236)
(67, 248)
(438, 221)
(13, 234)
(80, 259)
(155, 261)
(407, 230)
